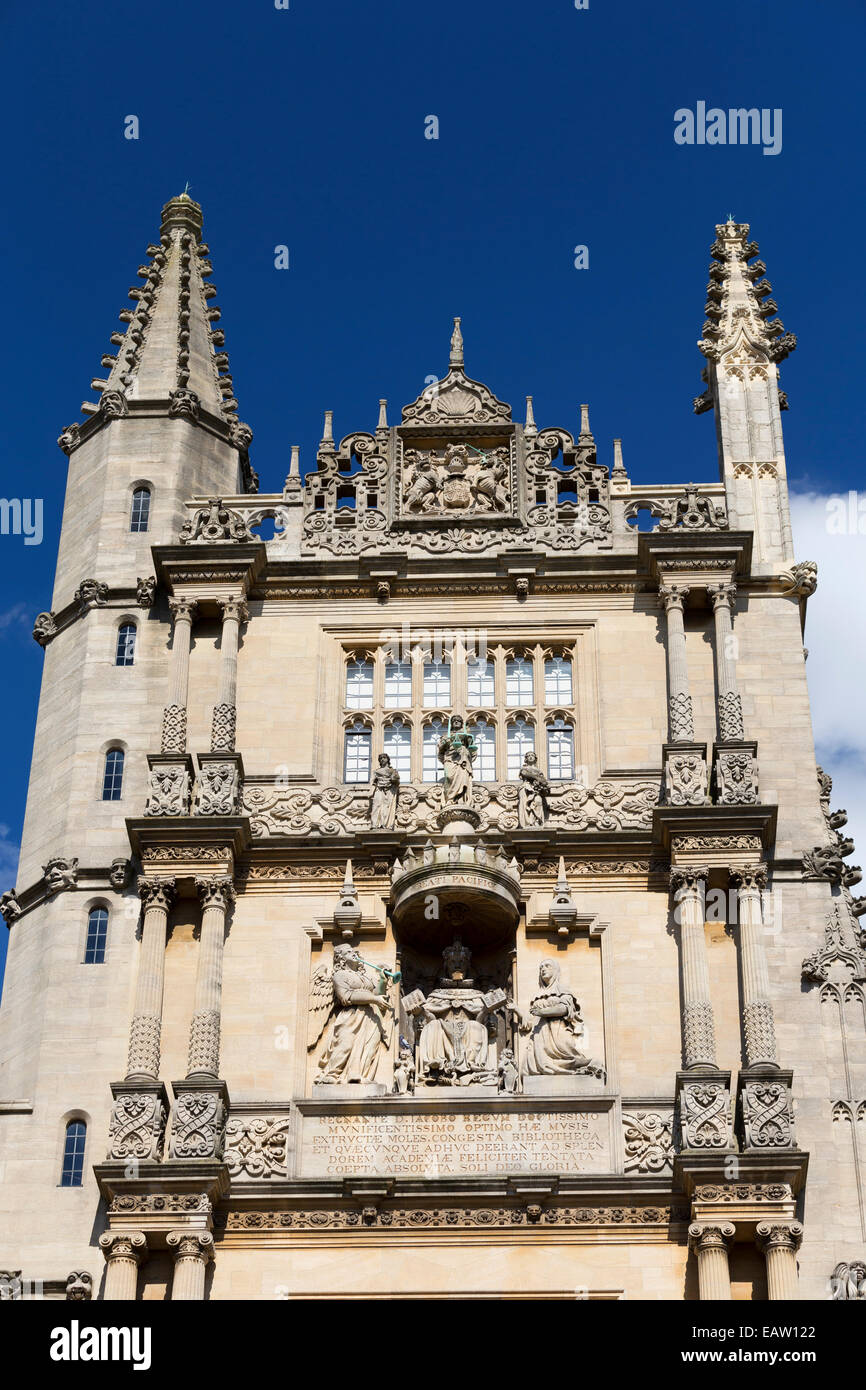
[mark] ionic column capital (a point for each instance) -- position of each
(786, 1236)
(215, 892)
(711, 1235)
(191, 1245)
(124, 1245)
(157, 892)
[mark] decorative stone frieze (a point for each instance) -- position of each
(446, 1217)
(256, 1146)
(648, 1141)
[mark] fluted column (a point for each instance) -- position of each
(157, 894)
(681, 725)
(710, 1244)
(193, 1250)
(124, 1252)
(759, 1027)
(204, 1037)
(699, 1034)
(174, 715)
(234, 611)
(728, 703)
(780, 1244)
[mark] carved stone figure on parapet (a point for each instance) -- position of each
(386, 789)
(363, 1019)
(404, 1071)
(534, 791)
(509, 1076)
(552, 1048)
(454, 1044)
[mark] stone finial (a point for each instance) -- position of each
(530, 429)
(347, 913)
(584, 421)
(382, 423)
(181, 212)
(327, 440)
(456, 356)
(562, 913)
(619, 474)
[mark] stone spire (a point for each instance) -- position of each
(165, 358)
(456, 356)
(743, 344)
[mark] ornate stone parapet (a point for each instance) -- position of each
(711, 1243)
(220, 784)
(735, 773)
(124, 1251)
(765, 1111)
(686, 775)
(193, 1251)
(170, 785)
(138, 1118)
(780, 1243)
(198, 1118)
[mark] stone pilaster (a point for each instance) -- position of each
(124, 1251)
(759, 1028)
(174, 715)
(193, 1251)
(234, 611)
(710, 1244)
(215, 895)
(672, 597)
(780, 1243)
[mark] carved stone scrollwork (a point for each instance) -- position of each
(257, 1146)
(685, 778)
(736, 772)
(218, 789)
(694, 512)
(705, 1114)
(648, 1139)
(214, 523)
(767, 1113)
(198, 1123)
(137, 1126)
(169, 790)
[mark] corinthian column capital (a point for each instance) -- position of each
(723, 595)
(156, 892)
(750, 881)
(688, 881)
(182, 609)
(672, 595)
(215, 892)
(233, 607)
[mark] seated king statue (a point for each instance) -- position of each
(453, 1047)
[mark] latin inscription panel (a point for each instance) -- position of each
(459, 1145)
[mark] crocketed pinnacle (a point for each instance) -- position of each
(170, 351)
(739, 308)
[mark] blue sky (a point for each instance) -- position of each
(305, 127)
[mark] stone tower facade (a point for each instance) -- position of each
(429, 856)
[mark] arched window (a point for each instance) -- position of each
(97, 931)
(359, 684)
(520, 739)
(397, 744)
(560, 751)
(437, 684)
(356, 753)
(125, 652)
(398, 685)
(557, 681)
(518, 681)
(485, 739)
(139, 515)
(431, 768)
(73, 1154)
(112, 779)
(480, 684)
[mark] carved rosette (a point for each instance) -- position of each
(137, 1126)
(705, 1114)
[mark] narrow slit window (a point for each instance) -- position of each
(125, 651)
(112, 779)
(139, 516)
(72, 1172)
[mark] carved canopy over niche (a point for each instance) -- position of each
(457, 475)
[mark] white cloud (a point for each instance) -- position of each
(836, 640)
(8, 859)
(15, 617)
